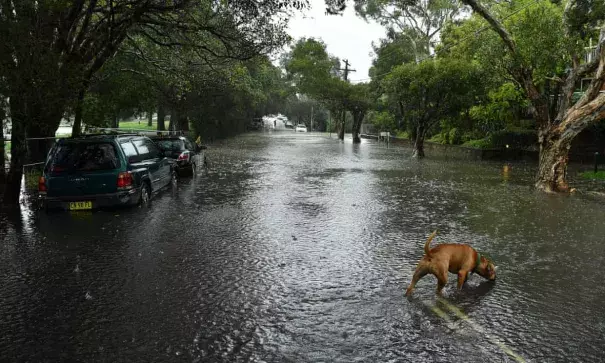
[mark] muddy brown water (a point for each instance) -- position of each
(298, 248)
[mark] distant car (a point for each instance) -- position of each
(188, 155)
(301, 128)
(96, 171)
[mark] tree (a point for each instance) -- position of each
(315, 73)
(425, 90)
(358, 101)
(392, 51)
(50, 50)
(419, 21)
(555, 134)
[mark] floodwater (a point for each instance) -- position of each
(298, 248)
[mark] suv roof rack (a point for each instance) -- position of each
(99, 135)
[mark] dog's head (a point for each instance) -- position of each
(487, 269)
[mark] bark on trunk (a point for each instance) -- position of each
(150, 118)
(183, 123)
(552, 168)
(76, 129)
(115, 122)
(12, 189)
(341, 130)
(357, 119)
(161, 117)
(419, 143)
(556, 141)
(173, 117)
(2, 147)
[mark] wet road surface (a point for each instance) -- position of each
(298, 248)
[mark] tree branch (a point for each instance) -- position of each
(496, 25)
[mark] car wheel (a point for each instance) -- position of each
(173, 179)
(193, 169)
(145, 195)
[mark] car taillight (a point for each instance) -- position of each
(42, 185)
(184, 156)
(124, 180)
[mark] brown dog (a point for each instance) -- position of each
(458, 259)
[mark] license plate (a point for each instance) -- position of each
(80, 205)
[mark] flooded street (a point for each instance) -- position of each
(298, 248)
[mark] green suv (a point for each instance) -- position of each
(96, 171)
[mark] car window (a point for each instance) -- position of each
(128, 149)
(84, 157)
(146, 148)
(176, 145)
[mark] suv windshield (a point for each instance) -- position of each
(84, 157)
(176, 144)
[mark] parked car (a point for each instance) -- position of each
(188, 155)
(301, 128)
(96, 171)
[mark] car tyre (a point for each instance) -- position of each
(173, 179)
(145, 195)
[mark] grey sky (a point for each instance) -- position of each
(347, 36)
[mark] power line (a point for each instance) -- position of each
(480, 30)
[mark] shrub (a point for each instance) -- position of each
(455, 136)
(479, 143)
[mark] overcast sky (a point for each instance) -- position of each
(347, 36)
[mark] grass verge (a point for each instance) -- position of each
(592, 175)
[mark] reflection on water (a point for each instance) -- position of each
(298, 247)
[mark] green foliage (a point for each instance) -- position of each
(402, 134)
(419, 21)
(384, 121)
(600, 175)
(502, 108)
(316, 74)
(537, 30)
(479, 143)
(426, 90)
(455, 136)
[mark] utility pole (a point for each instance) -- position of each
(347, 70)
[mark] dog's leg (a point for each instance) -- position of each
(462, 276)
(420, 272)
(441, 281)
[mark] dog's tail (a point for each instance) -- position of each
(427, 250)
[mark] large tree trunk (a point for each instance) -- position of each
(40, 130)
(2, 146)
(341, 129)
(161, 116)
(76, 129)
(12, 189)
(552, 168)
(419, 143)
(556, 141)
(183, 123)
(357, 119)
(150, 118)
(173, 117)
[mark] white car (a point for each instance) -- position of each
(301, 128)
